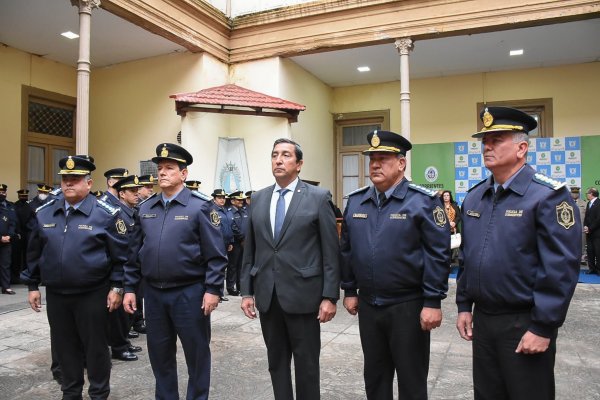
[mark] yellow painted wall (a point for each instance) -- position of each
(130, 109)
(444, 109)
(18, 68)
(284, 79)
(314, 129)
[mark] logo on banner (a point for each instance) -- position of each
(573, 157)
(558, 144)
(558, 171)
(543, 158)
(474, 147)
(230, 177)
(461, 161)
(431, 174)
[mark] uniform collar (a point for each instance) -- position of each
(85, 206)
(399, 192)
(183, 197)
(518, 184)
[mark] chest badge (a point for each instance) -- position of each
(472, 213)
(4, 218)
(360, 215)
(565, 216)
(439, 216)
(214, 218)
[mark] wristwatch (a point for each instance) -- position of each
(118, 290)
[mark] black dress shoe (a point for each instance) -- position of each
(8, 291)
(222, 299)
(134, 349)
(125, 356)
(140, 328)
(133, 335)
(231, 291)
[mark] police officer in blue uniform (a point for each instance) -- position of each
(120, 322)
(8, 234)
(43, 192)
(521, 243)
(77, 249)
(239, 226)
(182, 260)
(24, 215)
(148, 182)
(226, 219)
(395, 252)
(219, 196)
(112, 176)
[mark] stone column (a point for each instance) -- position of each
(83, 74)
(404, 46)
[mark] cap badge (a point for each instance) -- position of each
(136, 180)
(487, 119)
(151, 178)
(375, 141)
(164, 152)
(70, 163)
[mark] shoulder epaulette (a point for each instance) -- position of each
(147, 198)
(46, 204)
(107, 207)
(546, 181)
(56, 192)
(422, 189)
(357, 191)
(477, 184)
(201, 195)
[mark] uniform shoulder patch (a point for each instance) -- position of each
(107, 207)
(422, 189)
(46, 204)
(565, 215)
(215, 219)
(477, 184)
(201, 195)
(547, 181)
(146, 199)
(357, 191)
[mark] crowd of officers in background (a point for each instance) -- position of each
(15, 216)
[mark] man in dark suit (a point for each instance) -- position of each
(591, 228)
(290, 266)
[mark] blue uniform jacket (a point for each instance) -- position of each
(177, 245)
(226, 223)
(8, 220)
(240, 223)
(397, 252)
(81, 255)
(521, 253)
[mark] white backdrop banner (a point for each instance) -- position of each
(232, 167)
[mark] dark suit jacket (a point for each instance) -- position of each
(303, 264)
(592, 219)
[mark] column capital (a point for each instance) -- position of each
(86, 5)
(404, 45)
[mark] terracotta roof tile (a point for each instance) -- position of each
(233, 95)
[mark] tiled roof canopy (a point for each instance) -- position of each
(233, 99)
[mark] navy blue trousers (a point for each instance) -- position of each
(171, 313)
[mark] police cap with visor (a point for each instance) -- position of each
(505, 119)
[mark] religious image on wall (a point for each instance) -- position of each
(558, 158)
(232, 173)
